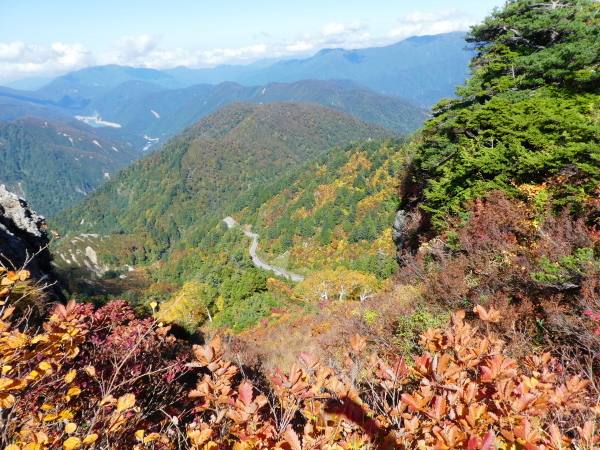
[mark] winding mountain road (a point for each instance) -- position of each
(231, 223)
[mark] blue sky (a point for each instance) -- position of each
(48, 38)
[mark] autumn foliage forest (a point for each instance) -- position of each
(486, 335)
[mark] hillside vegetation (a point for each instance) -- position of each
(336, 211)
(501, 197)
(102, 378)
(527, 120)
(55, 164)
(328, 220)
(487, 337)
(146, 109)
(173, 193)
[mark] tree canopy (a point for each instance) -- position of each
(529, 114)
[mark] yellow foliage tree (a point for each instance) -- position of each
(193, 304)
(339, 284)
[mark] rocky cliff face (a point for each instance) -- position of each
(23, 239)
(399, 229)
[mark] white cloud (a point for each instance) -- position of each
(419, 16)
(12, 51)
(418, 23)
(299, 47)
(222, 55)
(337, 29)
(333, 29)
(144, 52)
(161, 59)
(132, 47)
(71, 55)
(349, 35)
(19, 59)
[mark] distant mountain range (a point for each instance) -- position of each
(142, 110)
(421, 70)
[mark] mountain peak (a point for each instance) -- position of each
(325, 51)
(430, 38)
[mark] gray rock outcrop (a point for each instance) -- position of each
(399, 229)
(23, 239)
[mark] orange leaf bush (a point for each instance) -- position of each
(105, 379)
(464, 392)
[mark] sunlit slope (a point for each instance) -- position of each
(167, 195)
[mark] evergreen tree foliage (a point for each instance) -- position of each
(528, 115)
(54, 164)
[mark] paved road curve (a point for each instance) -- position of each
(231, 223)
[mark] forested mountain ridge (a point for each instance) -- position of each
(144, 107)
(55, 164)
(142, 111)
(164, 197)
(330, 214)
(335, 211)
(147, 114)
(148, 110)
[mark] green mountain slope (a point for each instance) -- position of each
(335, 211)
(54, 165)
(166, 196)
(150, 111)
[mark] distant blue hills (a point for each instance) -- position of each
(392, 86)
(421, 69)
